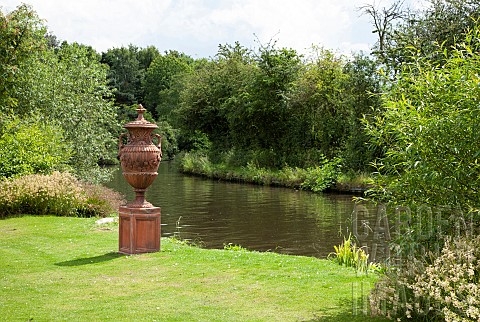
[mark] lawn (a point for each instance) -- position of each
(57, 268)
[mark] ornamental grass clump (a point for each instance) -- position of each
(59, 194)
(349, 255)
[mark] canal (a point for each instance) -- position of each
(214, 213)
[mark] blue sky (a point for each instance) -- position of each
(197, 27)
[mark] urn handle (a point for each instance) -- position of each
(120, 142)
(159, 144)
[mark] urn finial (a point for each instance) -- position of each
(140, 111)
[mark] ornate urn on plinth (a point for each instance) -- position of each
(139, 230)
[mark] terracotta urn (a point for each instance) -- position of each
(140, 157)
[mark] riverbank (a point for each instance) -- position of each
(323, 178)
(56, 268)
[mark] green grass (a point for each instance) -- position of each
(57, 268)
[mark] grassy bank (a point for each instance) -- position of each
(324, 177)
(56, 268)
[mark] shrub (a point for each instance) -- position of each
(448, 289)
(31, 146)
(321, 177)
(453, 280)
(59, 194)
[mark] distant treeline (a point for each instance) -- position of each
(272, 106)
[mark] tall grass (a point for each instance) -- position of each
(59, 194)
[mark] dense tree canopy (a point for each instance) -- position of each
(161, 92)
(21, 33)
(430, 129)
(274, 108)
(125, 74)
(65, 87)
(441, 23)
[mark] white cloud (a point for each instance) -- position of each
(196, 27)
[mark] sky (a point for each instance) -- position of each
(198, 27)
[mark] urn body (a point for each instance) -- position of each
(140, 157)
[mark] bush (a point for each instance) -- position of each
(452, 282)
(446, 290)
(59, 194)
(31, 146)
(321, 177)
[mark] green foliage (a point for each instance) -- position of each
(354, 180)
(59, 194)
(321, 177)
(234, 247)
(440, 22)
(272, 109)
(31, 146)
(21, 33)
(266, 119)
(146, 56)
(212, 98)
(161, 83)
(64, 86)
(196, 141)
(69, 87)
(169, 140)
(125, 74)
(200, 164)
(362, 99)
(319, 104)
(429, 132)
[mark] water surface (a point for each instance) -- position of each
(215, 213)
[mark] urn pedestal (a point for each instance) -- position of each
(139, 230)
(139, 220)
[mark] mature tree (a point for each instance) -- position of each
(239, 101)
(319, 105)
(21, 33)
(440, 23)
(125, 74)
(384, 20)
(69, 87)
(146, 56)
(272, 109)
(362, 86)
(264, 115)
(430, 131)
(201, 114)
(161, 92)
(62, 87)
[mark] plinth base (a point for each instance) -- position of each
(139, 230)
